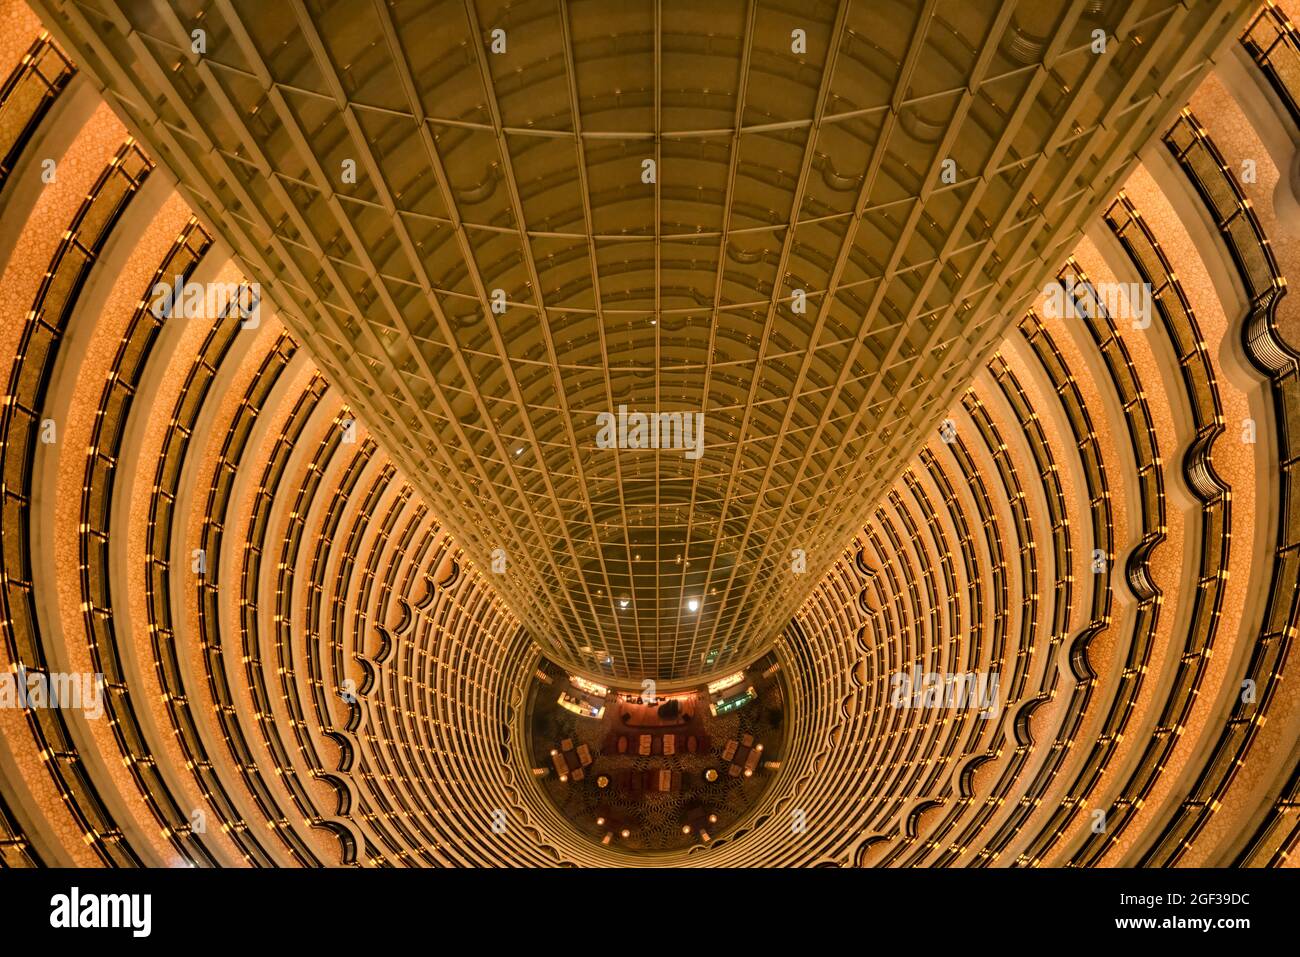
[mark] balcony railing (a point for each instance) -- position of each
(1274, 44)
(27, 95)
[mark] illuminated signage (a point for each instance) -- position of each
(588, 686)
(722, 684)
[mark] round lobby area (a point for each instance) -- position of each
(646, 771)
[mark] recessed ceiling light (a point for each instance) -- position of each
(693, 605)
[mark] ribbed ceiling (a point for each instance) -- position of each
(849, 204)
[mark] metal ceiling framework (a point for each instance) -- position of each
(776, 171)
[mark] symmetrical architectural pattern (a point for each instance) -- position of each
(300, 665)
(804, 222)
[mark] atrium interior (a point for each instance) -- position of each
(590, 433)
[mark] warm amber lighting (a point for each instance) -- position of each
(950, 362)
(722, 684)
(588, 686)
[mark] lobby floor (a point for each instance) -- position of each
(653, 819)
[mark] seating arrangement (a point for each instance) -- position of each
(656, 743)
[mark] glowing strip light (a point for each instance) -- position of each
(588, 686)
(722, 684)
(727, 705)
(581, 708)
